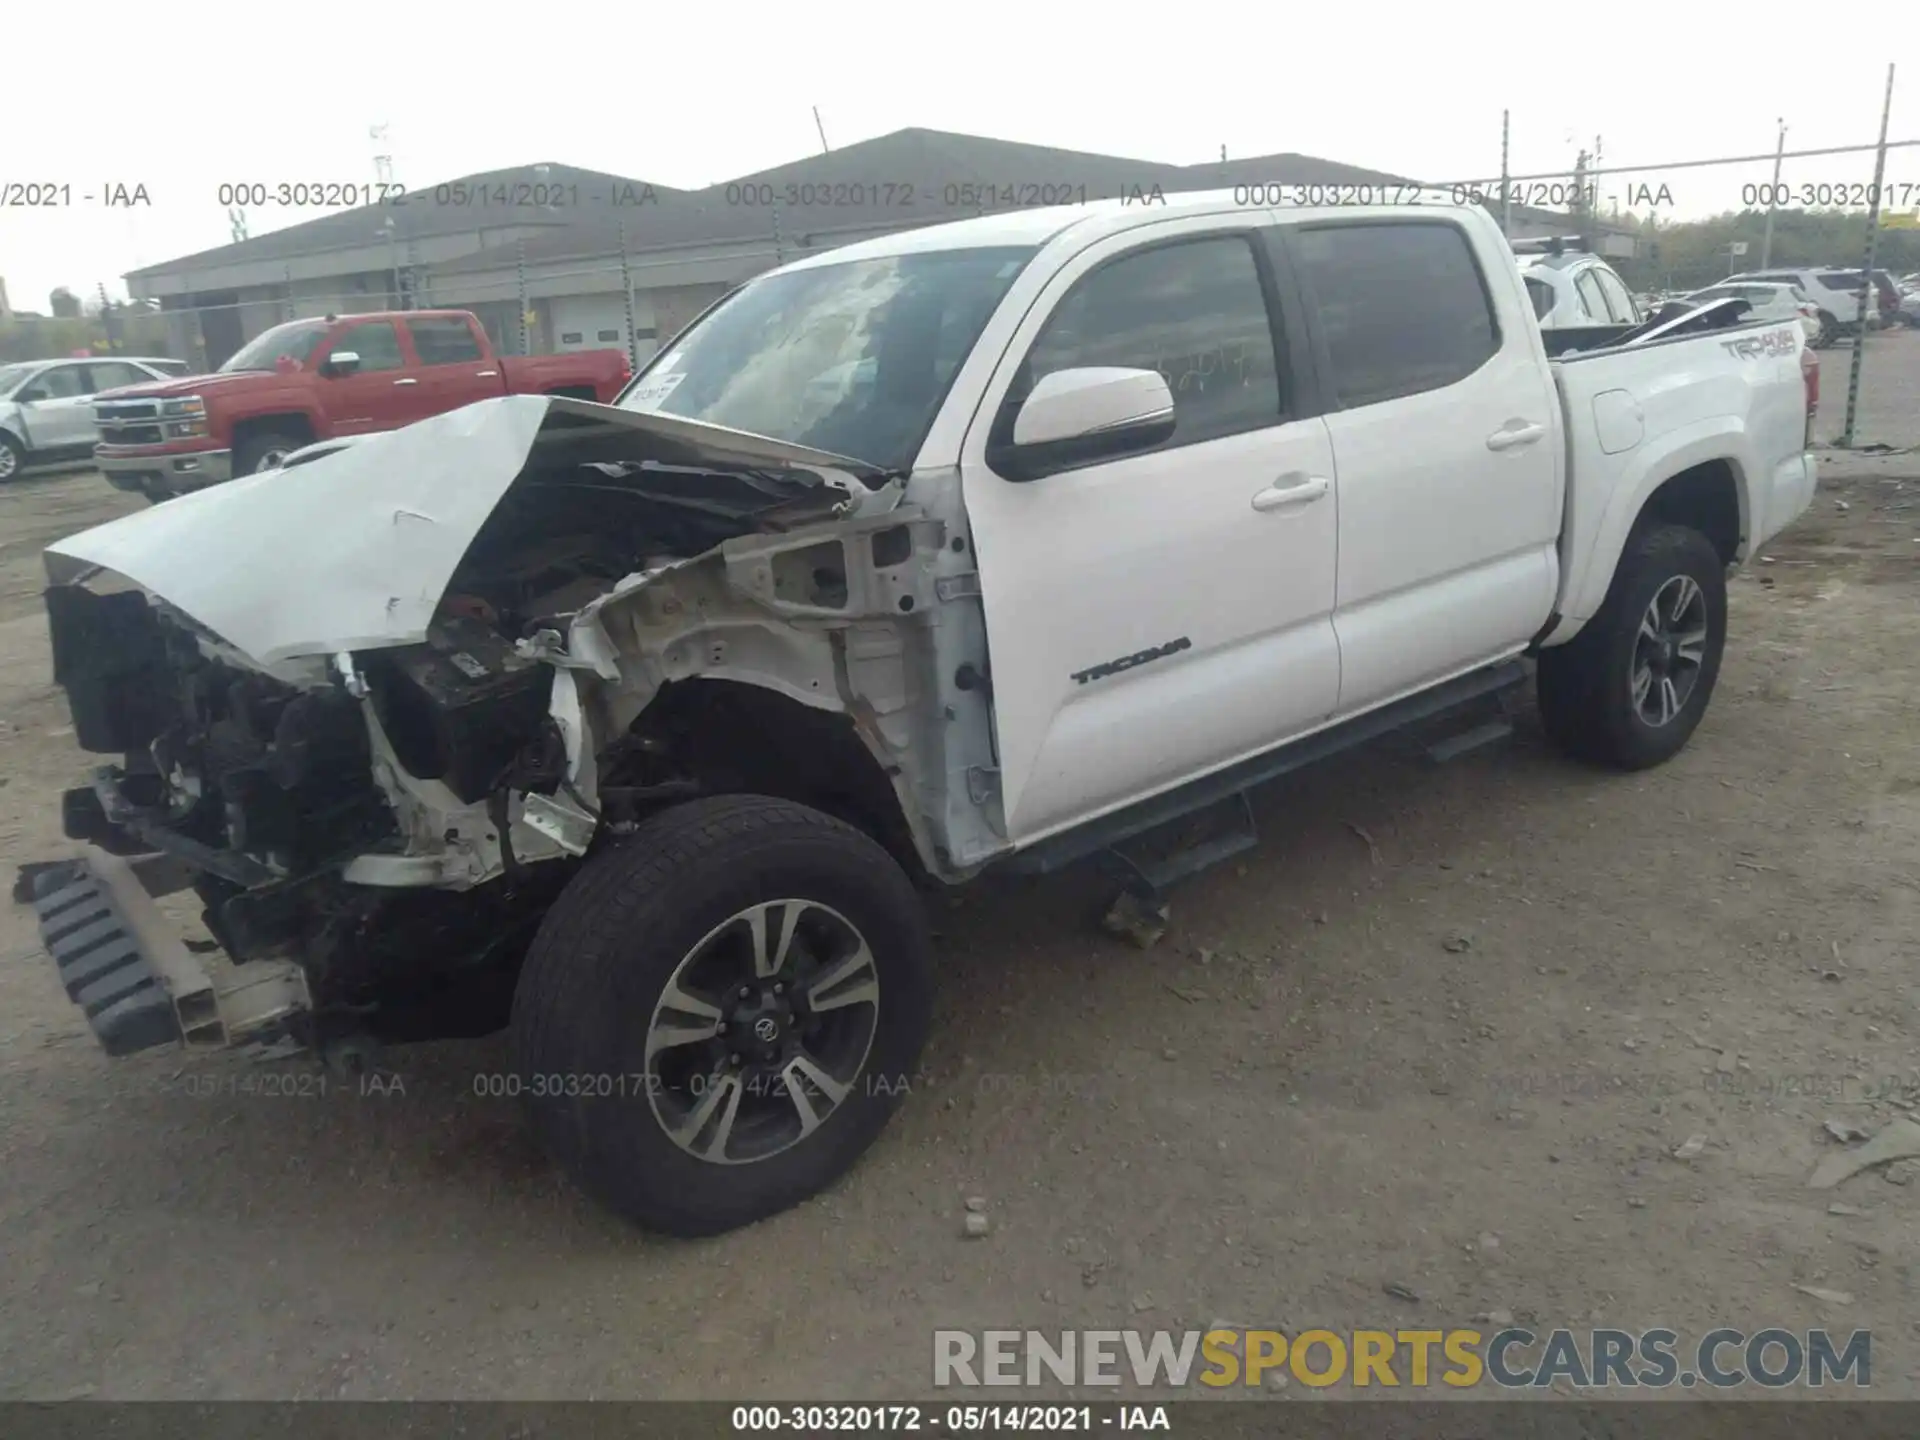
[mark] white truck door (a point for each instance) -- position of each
(1217, 609)
(1447, 440)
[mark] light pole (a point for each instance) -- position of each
(1773, 199)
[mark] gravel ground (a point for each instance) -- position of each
(1440, 1005)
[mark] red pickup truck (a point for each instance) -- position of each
(311, 380)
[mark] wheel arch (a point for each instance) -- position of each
(279, 422)
(1702, 480)
(739, 737)
(1709, 497)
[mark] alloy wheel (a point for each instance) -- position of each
(1669, 651)
(762, 1031)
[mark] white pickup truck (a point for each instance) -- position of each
(995, 543)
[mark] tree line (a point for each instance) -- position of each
(1692, 253)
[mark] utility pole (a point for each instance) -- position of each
(1866, 270)
(383, 173)
(106, 319)
(1580, 207)
(1593, 207)
(1773, 197)
(626, 294)
(1223, 154)
(1506, 191)
(526, 312)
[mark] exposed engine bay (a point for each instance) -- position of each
(393, 820)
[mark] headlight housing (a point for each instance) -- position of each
(185, 417)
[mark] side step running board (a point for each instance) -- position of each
(1467, 741)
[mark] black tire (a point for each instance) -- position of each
(1829, 332)
(252, 453)
(614, 940)
(13, 458)
(1586, 686)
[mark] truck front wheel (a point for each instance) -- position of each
(263, 452)
(720, 1013)
(1628, 690)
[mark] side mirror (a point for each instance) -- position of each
(343, 362)
(1074, 416)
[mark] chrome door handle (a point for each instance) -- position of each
(1517, 435)
(485, 374)
(1275, 497)
(406, 382)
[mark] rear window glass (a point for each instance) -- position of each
(1841, 279)
(1403, 307)
(1541, 293)
(442, 340)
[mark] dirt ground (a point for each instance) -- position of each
(1438, 1005)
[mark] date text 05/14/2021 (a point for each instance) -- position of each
(948, 1419)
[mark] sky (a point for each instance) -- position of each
(686, 96)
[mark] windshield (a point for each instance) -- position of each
(13, 376)
(853, 358)
(294, 341)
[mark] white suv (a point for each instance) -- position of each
(1770, 301)
(1572, 288)
(1834, 293)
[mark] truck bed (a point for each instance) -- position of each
(1648, 409)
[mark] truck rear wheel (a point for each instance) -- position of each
(719, 1015)
(1628, 690)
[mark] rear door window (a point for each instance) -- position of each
(1402, 306)
(445, 340)
(1541, 293)
(1587, 286)
(112, 374)
(1619, 302)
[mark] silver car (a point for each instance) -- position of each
(46, 406)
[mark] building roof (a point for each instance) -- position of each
(425, 212)
(908, 177)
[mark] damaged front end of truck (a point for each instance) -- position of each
(372, 711)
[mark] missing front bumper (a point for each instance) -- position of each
(134, 978)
